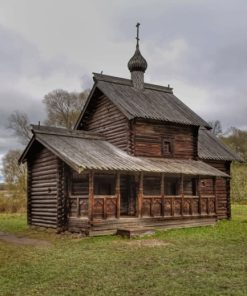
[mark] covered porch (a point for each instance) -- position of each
(109, 200)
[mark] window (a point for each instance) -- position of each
(151, 185)
(104, 184)
(172, 186)
(190, 187)
(167, 148)
(79, 184)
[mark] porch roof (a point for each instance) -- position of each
(87, 151)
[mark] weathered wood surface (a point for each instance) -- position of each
(148, 137)
(106, 119)
(44, 185)
(222, 189)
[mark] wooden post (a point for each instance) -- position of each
(182, 194)
(162, 192)
(105, 207)
(140, 195)
(118, 194)
(215, 195)
(200, 195)
(91, 196)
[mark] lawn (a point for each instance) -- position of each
(199, 261)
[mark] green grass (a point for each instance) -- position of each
(199, 261)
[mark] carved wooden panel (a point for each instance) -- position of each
(111, 207)
(83, 207)
(177, 207)
(98, 208)
(157, 207)
(195, 206)
(186, 206)
(211, 205)
(204, 206)
(146, 207)
(167, 207)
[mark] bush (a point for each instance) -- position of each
(11, 202)
(238, 182)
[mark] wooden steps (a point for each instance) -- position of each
(135, 232)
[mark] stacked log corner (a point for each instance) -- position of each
(43, 189)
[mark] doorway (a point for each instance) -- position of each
(128, 189)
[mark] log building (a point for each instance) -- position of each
(137, 156)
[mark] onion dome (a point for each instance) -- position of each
(137, 62)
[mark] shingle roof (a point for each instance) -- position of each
(83, 151)
(212, 148)
(153, 102)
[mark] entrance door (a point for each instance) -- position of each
(128, 188)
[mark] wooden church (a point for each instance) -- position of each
(137, 157)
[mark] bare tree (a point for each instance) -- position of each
(216, 127)
(63, 108)
(19, 122)
(14, 174)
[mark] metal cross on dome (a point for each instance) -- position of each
(137, 33)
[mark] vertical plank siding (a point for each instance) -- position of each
(148, 138)
(43, 189)
(107, 120)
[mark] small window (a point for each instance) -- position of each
(152, 185)
(104, 185)
(167, 147)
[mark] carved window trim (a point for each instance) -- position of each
(167, 146)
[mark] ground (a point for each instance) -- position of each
(199, 261)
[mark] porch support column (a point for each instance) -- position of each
(200, 195)
(215, 195)
(91, 196)
(140, 195)
(182, 194)
(118, 194)
(162, 192)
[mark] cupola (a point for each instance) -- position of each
(137, 65)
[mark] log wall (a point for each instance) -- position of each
(107, 120)
(222, 189)
(43, 189)
(148, 138)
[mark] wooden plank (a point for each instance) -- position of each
(182, 193)
(140, 195)
(118, 194)
(91, 196)
(162, 191)
(199, 194)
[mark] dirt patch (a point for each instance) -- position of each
(148, 243)
(19, 240)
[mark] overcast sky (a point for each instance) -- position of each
(199, 47)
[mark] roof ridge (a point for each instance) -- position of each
(125, 81)
(39, 129)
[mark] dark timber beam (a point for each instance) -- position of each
(118, 194)
(91, 196)
(182, 193)
(215, 195)
(140, 195)
(200, 195)
(162, 192)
